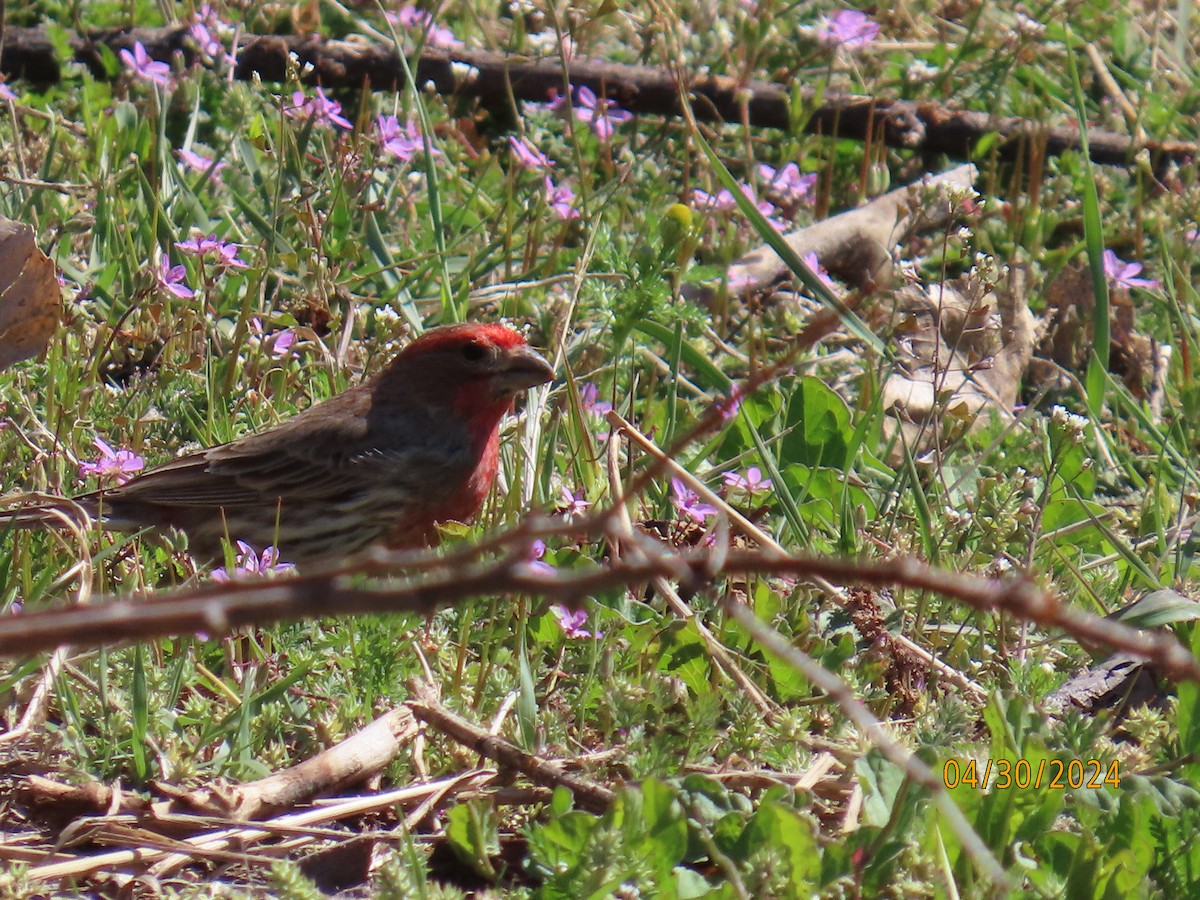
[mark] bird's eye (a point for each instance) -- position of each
(474, 351)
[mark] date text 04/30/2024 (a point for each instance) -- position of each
(1051, 774)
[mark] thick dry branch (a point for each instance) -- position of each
(365, 753)
(910, 125)
(215, 609)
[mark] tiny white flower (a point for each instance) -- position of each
(463, 73)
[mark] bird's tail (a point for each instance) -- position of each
(45, 511)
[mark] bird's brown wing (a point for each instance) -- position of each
(328, 453)
(311, 456)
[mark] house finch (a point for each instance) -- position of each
(388, 459)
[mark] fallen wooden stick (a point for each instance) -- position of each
(907, 124)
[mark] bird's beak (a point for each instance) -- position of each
(523, 368)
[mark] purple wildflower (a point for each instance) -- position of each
(527, 156)
(729, 405)
(6, 93)
(198, 246)
(279, 341)
(589, 399)
(1123, 274)
(688, 502)
(571, 621)
(752, 482)
(205, 42)
(413, 19)
(847, 28)
(535, 562)
(810, 260)
(199, 163)
(249, 563)
(788, 183)
(724, 201)
(560, 198)
(227, 256)
(205, 29)
(227, 253)
(574, 503)
(144, 67)
(170, 279)
(116, 464)
(719, 202)
(598, 113)
(320, 109)
(404, 142)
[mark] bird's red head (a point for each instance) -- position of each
(474, 368)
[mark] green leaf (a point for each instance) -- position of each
(140, 703)
(685, 656)
(819, 426)
(664, 824)
(1159, 608)
(473, 835)
(774, 828)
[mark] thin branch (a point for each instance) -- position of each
(548, 773)
(217, 608)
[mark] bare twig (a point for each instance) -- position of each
(426, 707)
(215, 608)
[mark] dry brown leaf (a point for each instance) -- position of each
(30, 298)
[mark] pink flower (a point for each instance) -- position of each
(527, 156)
(200, 245)
(227, 256)
(199, 163)
(560, 198)
(847, 28)
(171, 278)
(571, 621)
(752, 482)
(688, 502)
(413, 19)
(1123, 274)
(535, 562)
(599, 113)
(279, 341)
(729, 405)
(792, 187)
(320, 109)
(724, 201)
(574, 503)
(6, 93)
(143, 66)
(227, 253)
(589, 399)
(403, 142)
(117, 464)
(249, 563)
(720, 202)
(810, 260)
(205, 28)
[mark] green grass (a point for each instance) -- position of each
(353, 250)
